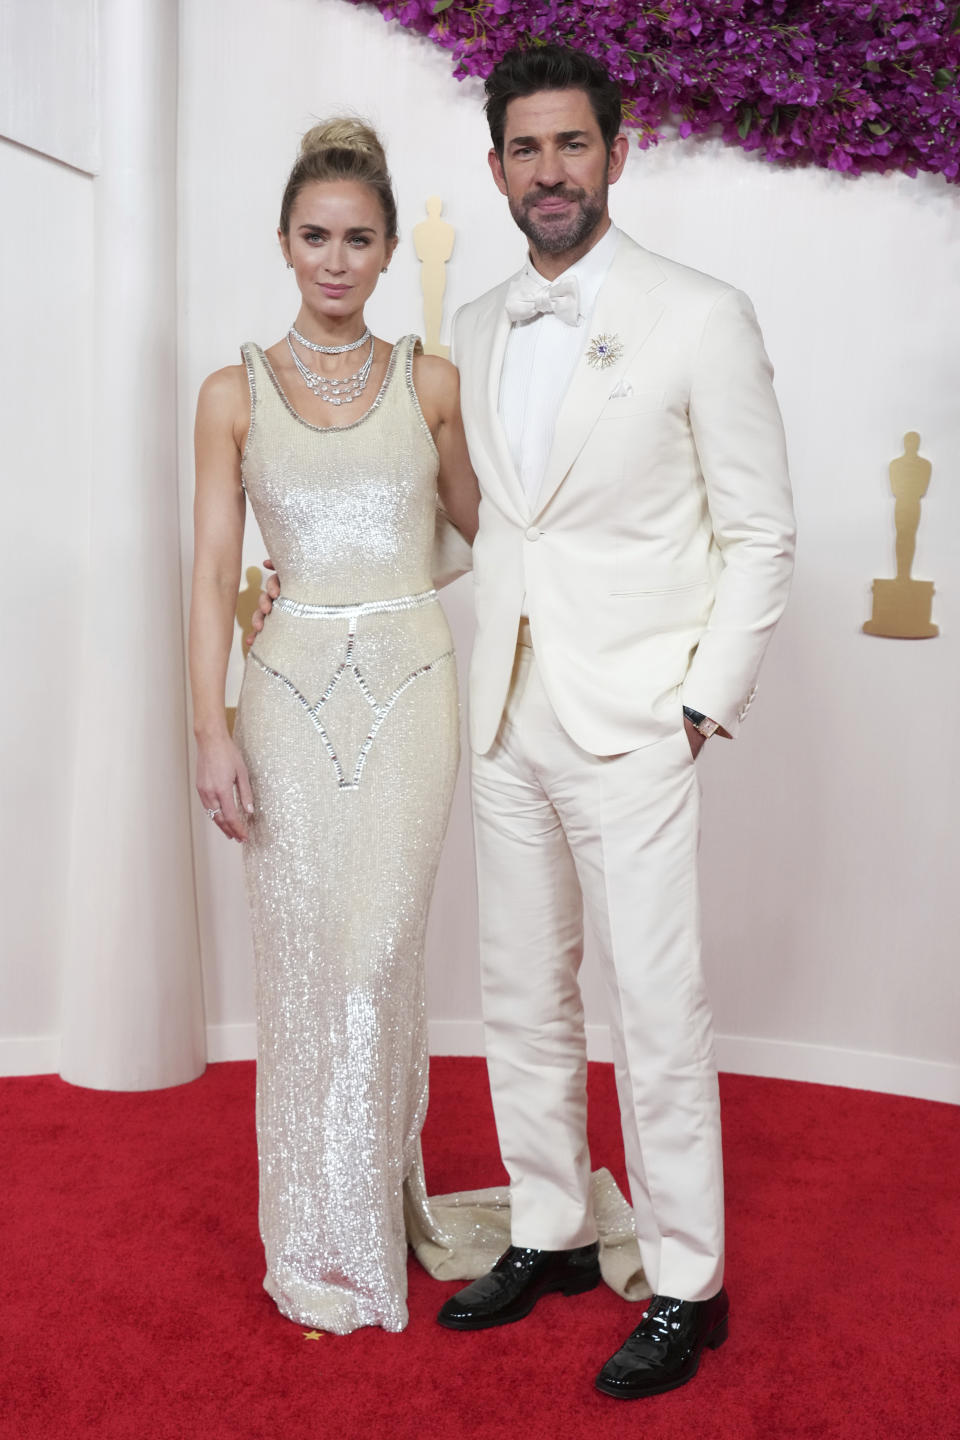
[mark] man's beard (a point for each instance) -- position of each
(553, 238)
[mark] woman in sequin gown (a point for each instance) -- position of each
(340, 775)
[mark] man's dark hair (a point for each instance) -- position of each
(551, 67)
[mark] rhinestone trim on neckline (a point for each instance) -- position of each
(327, 429)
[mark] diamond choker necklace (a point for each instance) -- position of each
(328, 349)
(344, 388)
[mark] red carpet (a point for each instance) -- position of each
(130, 1276)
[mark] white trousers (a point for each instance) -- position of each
(558, 830)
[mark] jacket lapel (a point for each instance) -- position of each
(487, 351)
(504, 457)
(627, 309)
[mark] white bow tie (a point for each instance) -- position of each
(528, 296)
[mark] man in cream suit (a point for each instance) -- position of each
(633, 557)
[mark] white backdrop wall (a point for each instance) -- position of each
(830, 848)
(46, 265)
(48, 50)
(96, 814)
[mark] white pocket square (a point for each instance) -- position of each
(621, 390)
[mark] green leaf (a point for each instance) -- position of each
(746, 121)
(943, 79)
(873, 66)
(877, 127)
(440, 5)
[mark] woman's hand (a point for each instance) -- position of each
(264, 604)
(221, 777)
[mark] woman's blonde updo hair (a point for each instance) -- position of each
(342, 149)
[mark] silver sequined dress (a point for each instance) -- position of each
(348, 722)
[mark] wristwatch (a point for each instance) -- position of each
(701, 722)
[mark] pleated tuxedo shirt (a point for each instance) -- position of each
(538, 364)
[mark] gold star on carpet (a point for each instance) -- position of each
(313, 1334)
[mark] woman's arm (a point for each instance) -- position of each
(438, 388)
(219, 509)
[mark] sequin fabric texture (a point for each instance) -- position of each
(348, 722)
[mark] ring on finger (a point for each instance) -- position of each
(215, 812)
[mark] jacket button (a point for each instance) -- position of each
(533, 533)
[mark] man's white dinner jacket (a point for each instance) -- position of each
(656, 559)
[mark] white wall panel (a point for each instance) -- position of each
(48, 77)
(46, 270)
(132, 1003)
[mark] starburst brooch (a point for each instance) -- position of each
(603, 351)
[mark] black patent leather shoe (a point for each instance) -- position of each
(515, 1284)
(664, 1350)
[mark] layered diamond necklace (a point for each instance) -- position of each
(344, 388)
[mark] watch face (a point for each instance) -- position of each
(701, 722)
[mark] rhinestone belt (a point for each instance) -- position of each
(363, 607)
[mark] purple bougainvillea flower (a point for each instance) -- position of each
(845, 84)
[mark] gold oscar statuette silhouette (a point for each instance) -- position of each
(246, 605)
(902, 607)
(433, 241)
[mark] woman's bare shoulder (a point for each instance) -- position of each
(228, 381)
(225, 393)
(436, 378)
